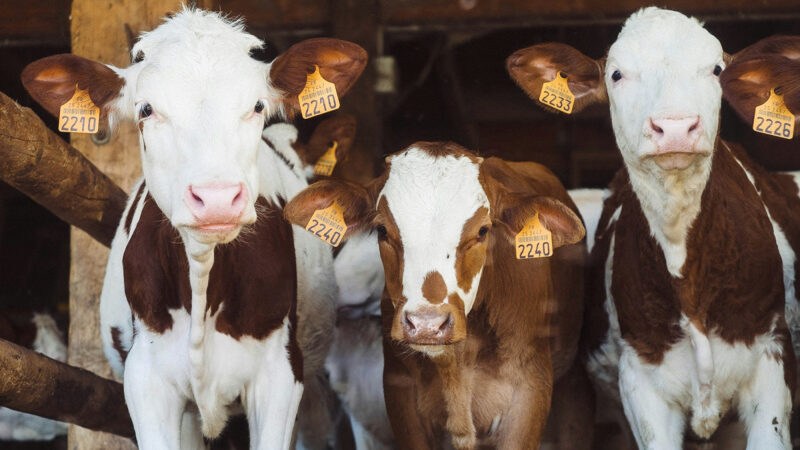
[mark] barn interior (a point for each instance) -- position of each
(437, 73)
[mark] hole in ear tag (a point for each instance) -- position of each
(79, 114)
(534, 240)
(328, 224)
(774, 118)
(318, 97)
(327, 161)
(556, 94)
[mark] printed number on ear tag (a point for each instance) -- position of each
(328, 224)
(79, 114)
(774, 118)
(534, 240)
(327, 161)
(556, 94)
(318, 97)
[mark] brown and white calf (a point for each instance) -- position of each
(695, 254)
(467, 353)
(210, 297)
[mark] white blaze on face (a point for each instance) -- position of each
(666, 61)
(431, 198)
(198, 78)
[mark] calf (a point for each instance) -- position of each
(197, 326)
(695, 252)
(467, 357)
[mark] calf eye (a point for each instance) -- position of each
(616, 76)
(145, 111)
(482, 232)
(381, 232)
(259, 107)
(717, 70)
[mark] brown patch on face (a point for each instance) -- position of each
(471, 252)
(117, 343)
(439, 150)
(391, 248)
(433, 287)
(459, 317)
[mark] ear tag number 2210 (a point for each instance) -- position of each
(556, 94)
(774, 118)
(318, 97)
(328, 224)
(79, 114)
(534, 240)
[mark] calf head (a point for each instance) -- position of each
(661, 79)
(200, 102)
(438, 210)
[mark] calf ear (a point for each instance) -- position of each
(564, 225)
(533, 66)
(341, 129)
(772, 63)
(339, 62)
(51, 81)
(354, 199)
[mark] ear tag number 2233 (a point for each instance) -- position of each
(534, 240)
(318, 97)
(79, 114)
(328, 224)
(556, 94)
(774, 118)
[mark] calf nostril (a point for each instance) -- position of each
(197, 198)
(656, 128)
(447, 323)
(407, 322)
(694, 126)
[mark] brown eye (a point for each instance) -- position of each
(259, 107)
(482, 233)
(145, 111)
(616, 76)
(381, 230)
(717, 70)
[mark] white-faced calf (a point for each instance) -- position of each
(195, 325)
(466, 348)
(694, 260)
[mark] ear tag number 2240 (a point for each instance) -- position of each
(328, 224)
(534, 240)
(774, 118)
(318, 97)
(556, 94)
(79, 114)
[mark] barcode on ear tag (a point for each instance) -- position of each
(327, 161)
(556, 94)
(79, 114)
(328, 224)
(534, 240)
(318, 97)
(774, 118)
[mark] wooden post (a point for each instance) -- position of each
(36, 384)
(98, 33)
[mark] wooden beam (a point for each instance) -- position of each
(35, 384)
(37, 162)
(99, 33)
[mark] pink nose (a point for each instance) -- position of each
(675, 134)
(216, 203)
(427, 326)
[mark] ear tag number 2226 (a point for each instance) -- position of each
(774, 118)
(318, 97)
(534, 240)
(328, 224)
(79, 114)
(556, 94)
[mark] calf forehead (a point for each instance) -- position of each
(431, 197)
(654, 38)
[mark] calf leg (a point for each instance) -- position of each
(656, 424)
(155, 405)
(573, 409)
(765, 405)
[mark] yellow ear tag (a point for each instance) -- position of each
(328, 224)
(556, 94)
(318, 97)
(327, 161)
(79, 114)
(534, 240)
(774, 118)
